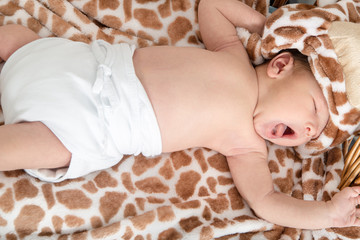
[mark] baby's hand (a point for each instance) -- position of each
(343, 205)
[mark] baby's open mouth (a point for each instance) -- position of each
(281, 130)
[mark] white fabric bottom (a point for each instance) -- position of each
(87, 95)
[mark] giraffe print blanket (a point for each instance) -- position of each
(181, 195)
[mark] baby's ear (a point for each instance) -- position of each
(280, 65)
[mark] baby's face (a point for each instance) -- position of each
(296, 112)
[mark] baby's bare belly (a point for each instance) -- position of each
(188, 88)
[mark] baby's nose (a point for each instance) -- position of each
(310, 130)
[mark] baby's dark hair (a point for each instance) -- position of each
(301, 61)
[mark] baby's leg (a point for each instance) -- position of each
(13, 37)
(31, 145)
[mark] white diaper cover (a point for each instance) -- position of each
(87, 95)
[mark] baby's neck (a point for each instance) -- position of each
(263, 87)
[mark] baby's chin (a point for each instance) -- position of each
(288, 142)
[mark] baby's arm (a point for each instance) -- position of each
(218, 20)
(253, 180)
(12, 37)
(31, 145)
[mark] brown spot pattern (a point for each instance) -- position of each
(104, 179)
(170, 233)
(199, 156)
(7, 201)
(206, 213)
(273, 166)
(73, 199)
(142, 164)
(49, 195)
(180, 5)
(166, 170)
(57, 223)
(164, 9)
(141, 221)
(224, 180)
(178, 29)
(180, 159)
(219, 204)
(186, 185)
(127, 182)
(3, 222)
(105, 231)
(108, 4)
(148, 18)
(312, 187)
(189, 204)
(112, 21)
(188, 224)
(60, 26)
(165, 214)
(236, 201)
(130, 210)
(110, 204)
(203, 192)
(24, 189)
(73, 221)
(152, 185)
(219, 162)
(57, 6)
(29, 216)
(96, 222)
(90, 187)
(285, 184)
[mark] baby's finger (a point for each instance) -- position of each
(351, 192)
(357, 200)
(357, 213)
(356, 189)
(357, 219)
(357, 222)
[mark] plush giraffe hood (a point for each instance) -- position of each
(320, 34)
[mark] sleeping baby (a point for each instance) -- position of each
(71, 108)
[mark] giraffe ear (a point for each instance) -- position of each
(345, 37)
